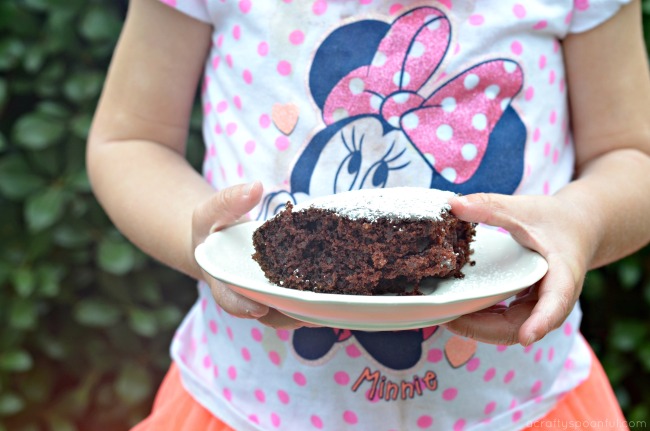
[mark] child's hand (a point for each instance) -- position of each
(555, 229)
(225, 208)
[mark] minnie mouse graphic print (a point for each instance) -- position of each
(317, 97)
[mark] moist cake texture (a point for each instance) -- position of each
(364, 242)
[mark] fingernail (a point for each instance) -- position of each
(248, 188)
(531, 339)
(257, 312)
(461, 200)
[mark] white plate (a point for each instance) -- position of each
(503, 268)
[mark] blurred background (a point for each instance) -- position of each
(86, 319)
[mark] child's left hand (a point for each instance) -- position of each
(554, 228)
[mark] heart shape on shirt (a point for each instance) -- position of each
(459, 350)
(285, 117)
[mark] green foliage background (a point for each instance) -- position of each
(81, 348)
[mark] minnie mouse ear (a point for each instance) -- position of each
(344, 50)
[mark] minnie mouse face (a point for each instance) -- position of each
(362, 152)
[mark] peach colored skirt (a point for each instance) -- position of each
(591, 405)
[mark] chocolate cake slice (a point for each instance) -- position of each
(364, 242)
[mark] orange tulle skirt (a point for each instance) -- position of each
(591, 405)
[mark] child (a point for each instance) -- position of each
(304, 98)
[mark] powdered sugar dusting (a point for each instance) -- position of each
(401, 203)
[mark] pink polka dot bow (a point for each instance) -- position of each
(449, 123)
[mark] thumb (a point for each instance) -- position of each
(225, 208)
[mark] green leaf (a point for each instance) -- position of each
(96, 313)
(100, 24)
(11, 51)
(4, 92)
(24, 281)
(16, 178)
(15, 360)
(83, 86)
(36, 131)
(10, 404)
(23, 314)
(116, 255)
(133, 384)
(143, 322)
(44, 209)
(627, 335)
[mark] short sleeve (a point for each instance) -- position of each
(197, 9)
(587, 14)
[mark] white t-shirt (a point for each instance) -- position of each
(320, 96)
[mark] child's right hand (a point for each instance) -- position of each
(224, 208)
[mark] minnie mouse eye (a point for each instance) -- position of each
(380, 177)
(354, 165)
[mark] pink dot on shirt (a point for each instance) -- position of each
(275, 420)
(254, 419)
(282, 143)
(502, 348)
(249, 147)
(232, 372)
(489, 374)
(394, 9)
(476, 19)
(263, 49)
(551, 77)
(215, 62)
(350, 417)
(424, 421)
(213, 326)
(341, 377)
(245, 6)
(316, 421)
(227, 394)
(256, 334)
(352, 351)
(274, 357)
(237, 102)
(547, 149)
(296, 37)
(207, 361)
(299, 378)
(568, 329)
(222, 106)
(516, 47)
(259, 394)
(319, 7)
(231, 128)
(542, 61)
(265, 121)
(473, 364)
(245, 354)
(536, 387)
(581, 5)
(541, 25)
(284, 68)
(516, 416)
(489, 407)
(217, 129)
(229, 60)
(449, 394)
(236, 32)
(248, 76)
(530, 93)
(459, 425)
(171, 3)
(446, 3)
(219, 40)
(551, 354)
(553, 117)
(509, 376)
(519, 10)
(547, 188)
(537, 134)
(434, 355)
(283, 397)
(282, 334)
(365, 1)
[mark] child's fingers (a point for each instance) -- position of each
(232, 203)
(558, 293)
(234, 303)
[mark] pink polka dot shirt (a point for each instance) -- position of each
(314, 97)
